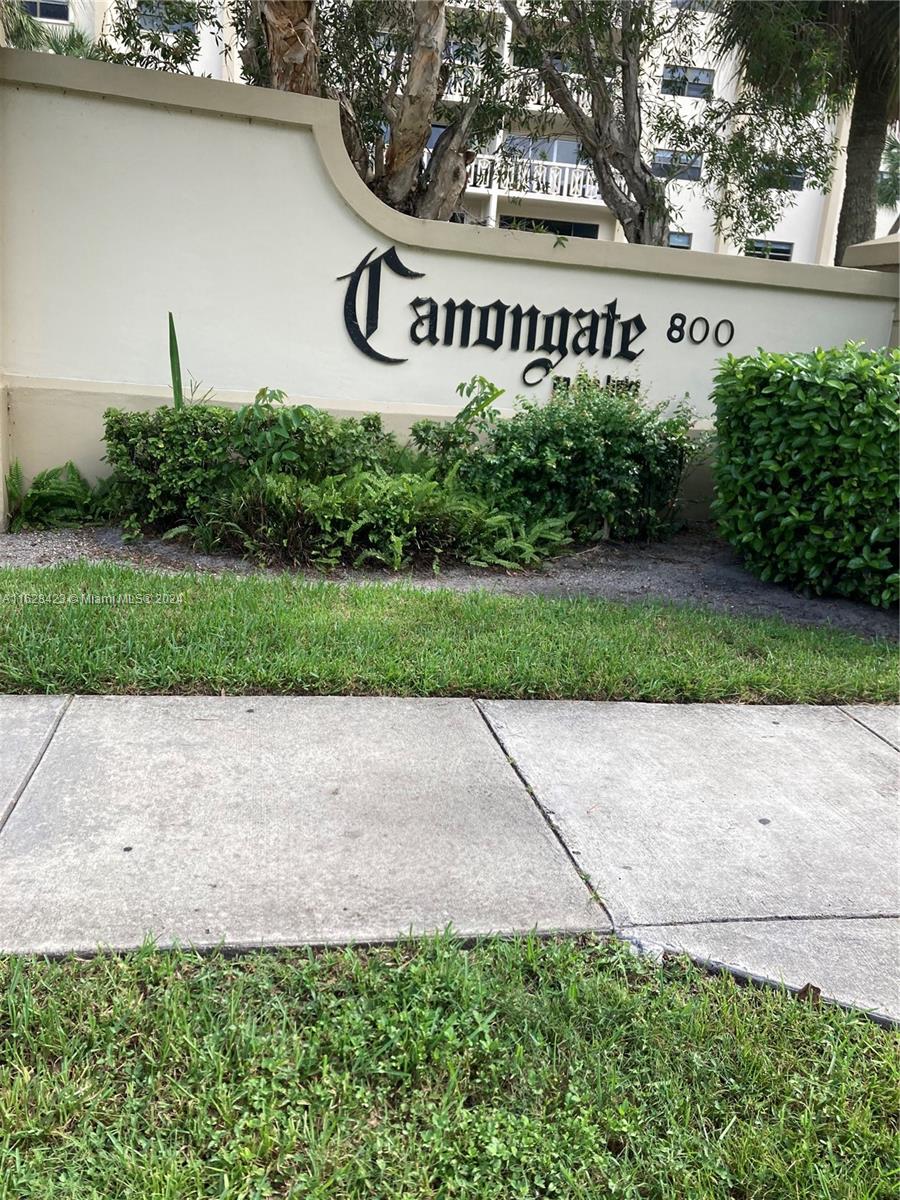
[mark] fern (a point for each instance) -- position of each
(15, 491)
(58, 497)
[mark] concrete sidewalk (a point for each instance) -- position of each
(763, 838)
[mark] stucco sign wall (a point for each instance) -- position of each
(125, 194)
(440, 326)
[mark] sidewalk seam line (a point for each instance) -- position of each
(878, 916)
(38, 759)
(867, 728)
(554, 829)
(742, 975)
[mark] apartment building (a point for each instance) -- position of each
(539, 183)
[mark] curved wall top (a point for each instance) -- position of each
(322, 118)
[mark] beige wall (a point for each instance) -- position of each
(126, 193)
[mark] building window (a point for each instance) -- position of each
(703, 6)
(688, 81)
(556, 150)
(762, 248)
(530, 58)
(790, 180)
(679, 240)
(151, 15)
(669, 164)
(45, 11)
(582, 229)
(433, 137)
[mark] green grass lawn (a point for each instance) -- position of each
(517, 1069)
(280, 634)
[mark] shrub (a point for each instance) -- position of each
(168, 463)
(448, 442)
(593, 455)
(374, 517)
(171, 464)
(292, 482)
(806, 470)
(58, 497)
(270, 436)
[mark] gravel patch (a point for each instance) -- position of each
(694, 567)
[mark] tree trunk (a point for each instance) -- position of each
(411, 122)
(445, 180)
(865, 147)
(291, 46)
(647, 228)
(610, 138)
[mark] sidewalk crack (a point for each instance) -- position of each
(29, 774)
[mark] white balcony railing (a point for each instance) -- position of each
(527, 86)
(531, 177)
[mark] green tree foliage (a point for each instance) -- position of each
(600, 61)
(25, 32)
(811, 54)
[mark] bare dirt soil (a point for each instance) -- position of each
(694, 567)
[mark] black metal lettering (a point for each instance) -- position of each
(451, 308)
(585, 340)
(485, 338)
(517, 316)
(426, 320)
(631, 331)
(371, 267)
(610, 316)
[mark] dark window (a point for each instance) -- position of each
(688, 81)
(679, 240)
(580, 229)
(696, 5)
(762, 248)
(531, 57)
(47, 11)
(436, 131)
(556, 149)
(790, 180)
(669, 164)
(152, 16)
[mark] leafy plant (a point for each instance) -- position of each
(58, 497)
(175, 365)
(169, 463)
(24, 31)
(889, 176)
(806, 473)
(292, 482)
(449, 441)
(270, 436)
(593, 455)
(372, 517)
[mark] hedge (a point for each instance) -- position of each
(806, 473)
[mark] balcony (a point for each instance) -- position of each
(532, 177)
(526, 86)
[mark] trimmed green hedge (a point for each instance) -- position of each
(807, 478)
(168, 462)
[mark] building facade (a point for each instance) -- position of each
(539, 183)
